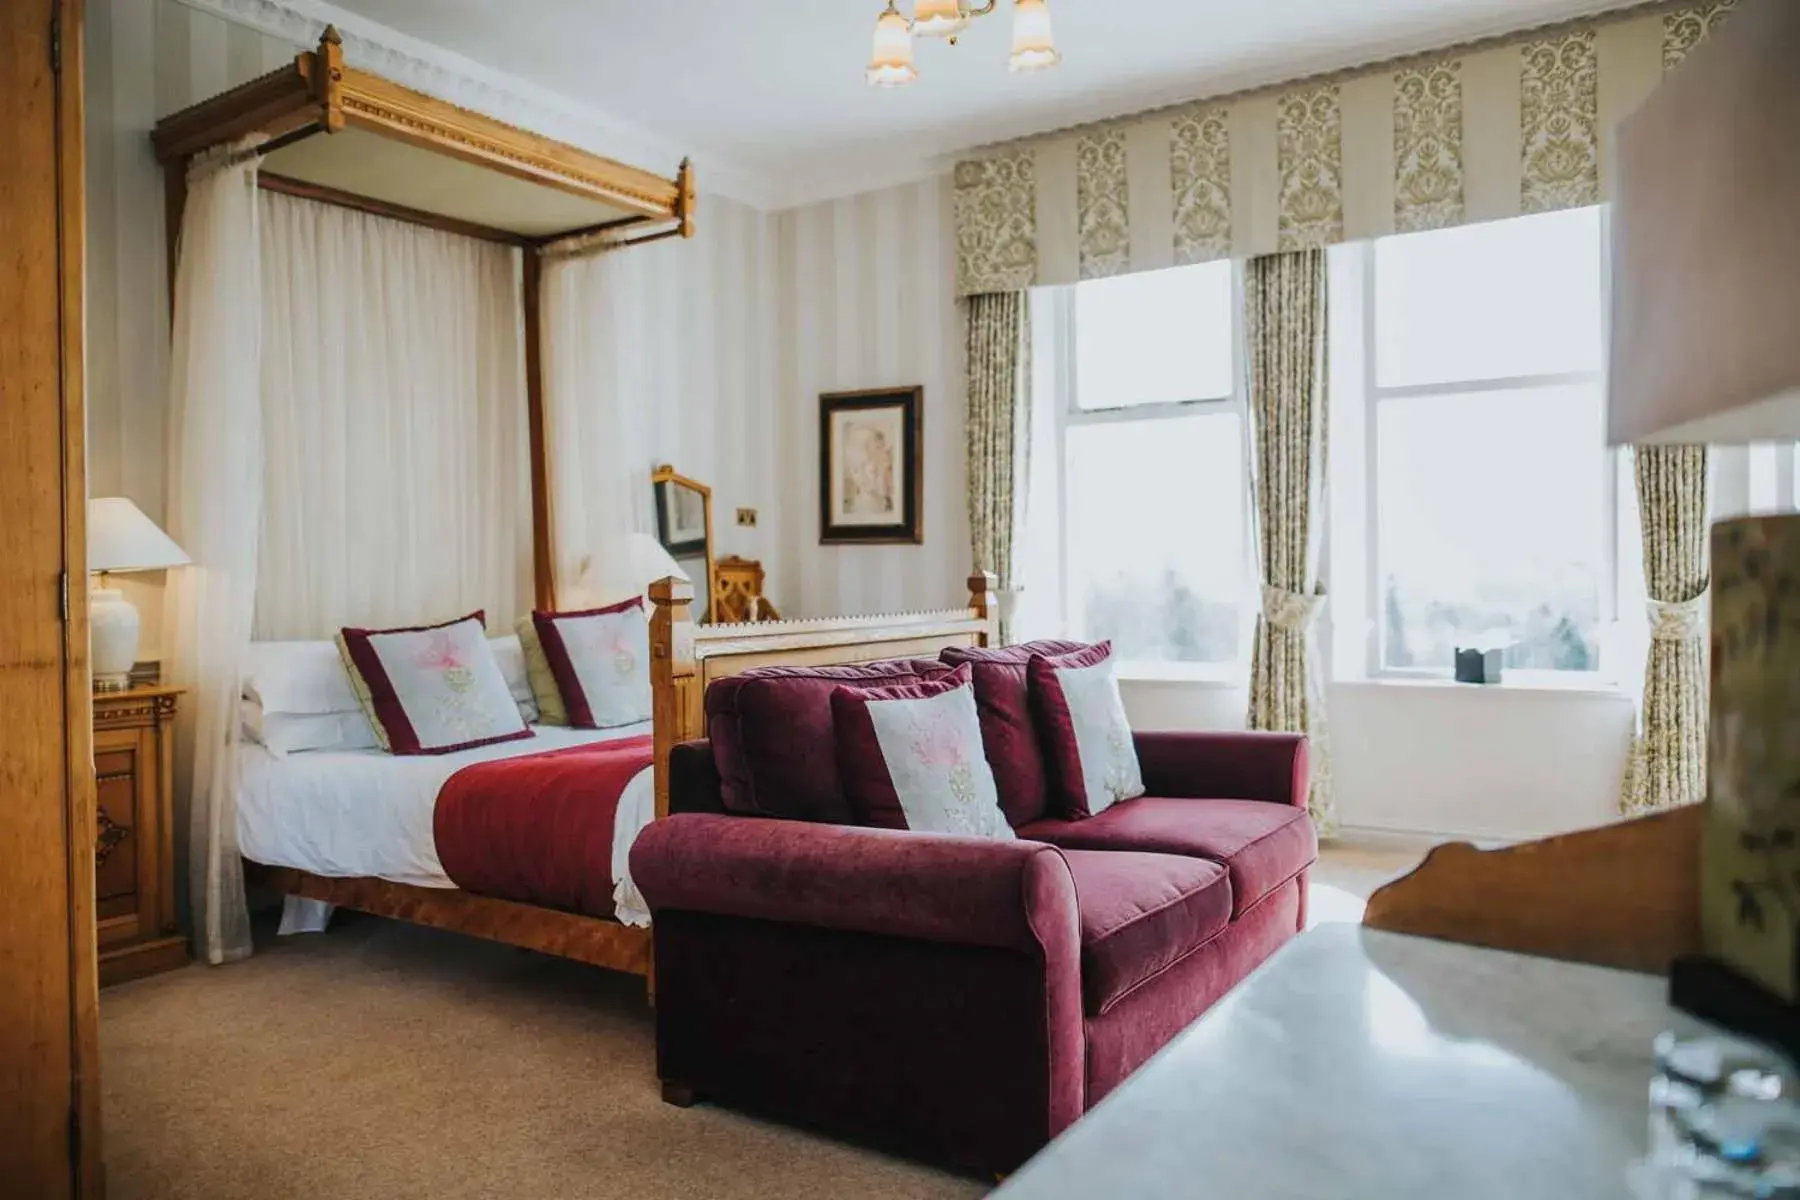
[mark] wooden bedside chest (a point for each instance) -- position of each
(134, 854)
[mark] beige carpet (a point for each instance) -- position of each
(380, 1060)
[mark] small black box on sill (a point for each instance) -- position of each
(1478, 666)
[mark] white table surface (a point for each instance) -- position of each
(1363, 1064)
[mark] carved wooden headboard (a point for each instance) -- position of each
(685, 657)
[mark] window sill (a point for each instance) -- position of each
(1187, 674)
(1525, 687)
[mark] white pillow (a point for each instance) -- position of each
(299, 677)
(308, 679)
(294, 733)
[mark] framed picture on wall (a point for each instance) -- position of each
(870, 487)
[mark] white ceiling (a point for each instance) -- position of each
(774, 88)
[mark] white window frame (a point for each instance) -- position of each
(1613, 668)
(1069, 414)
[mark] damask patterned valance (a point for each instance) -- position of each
(1477, 133)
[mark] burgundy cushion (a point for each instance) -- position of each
(1008, 733)
(1141, 914)
(1261, 845)
(772, 738)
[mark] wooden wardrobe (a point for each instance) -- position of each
(49, 1078)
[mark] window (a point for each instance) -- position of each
(1153, 501)
(1493, 494)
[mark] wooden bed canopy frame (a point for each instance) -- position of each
(339, 135)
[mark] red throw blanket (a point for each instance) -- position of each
(538, 828)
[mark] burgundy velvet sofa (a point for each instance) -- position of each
(963, 999)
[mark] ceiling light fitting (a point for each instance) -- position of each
(891, 64)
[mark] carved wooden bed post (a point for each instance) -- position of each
(984, 602)
(675, 692)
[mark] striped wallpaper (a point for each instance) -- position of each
(866, 301)
(745, 326)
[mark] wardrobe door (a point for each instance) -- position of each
(49, 1095)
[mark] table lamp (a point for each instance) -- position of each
(638, 561)
(1706, 349)
(120, 538)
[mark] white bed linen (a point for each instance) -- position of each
(363, 813)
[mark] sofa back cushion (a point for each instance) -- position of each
(772, 742)
(1093, 760)
(1008, 731)
(910, 757)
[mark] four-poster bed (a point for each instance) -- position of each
(334, 135)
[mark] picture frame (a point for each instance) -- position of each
(871, 486)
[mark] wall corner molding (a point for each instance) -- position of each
(462, 81)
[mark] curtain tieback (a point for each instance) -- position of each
(1290, 612)
(1676, 620)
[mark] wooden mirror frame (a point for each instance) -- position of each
(667, 476)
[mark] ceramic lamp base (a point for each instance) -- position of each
(1750, 851)
(113, 638)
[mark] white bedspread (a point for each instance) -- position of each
(356, 813)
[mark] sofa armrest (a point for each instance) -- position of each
(1225, 766)
(966, 891)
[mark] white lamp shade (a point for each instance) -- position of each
(939, 18)
(891, 63)
(1034, 47)
(121, 538)
(650, 562)
(1706, 243)
(623, 568)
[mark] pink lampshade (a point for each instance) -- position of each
(1706, 243)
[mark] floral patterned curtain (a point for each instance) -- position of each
(1285, 299)
(999, 437)
(1477, 132)
(1668, 755)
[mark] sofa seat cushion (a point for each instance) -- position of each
(1140, 915)
(1261, 845)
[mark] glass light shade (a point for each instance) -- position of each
(1034, 47)
(891, 64)
(939, 18)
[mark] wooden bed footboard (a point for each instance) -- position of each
(685, 657)
(598, 941)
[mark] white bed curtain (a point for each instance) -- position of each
(595, 421)
(215, 490)
(393, 392)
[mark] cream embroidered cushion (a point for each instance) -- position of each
(540, 677)
(432, 689)
(509, 652)
(910, 758)
(600, 659)
(1087, 739)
